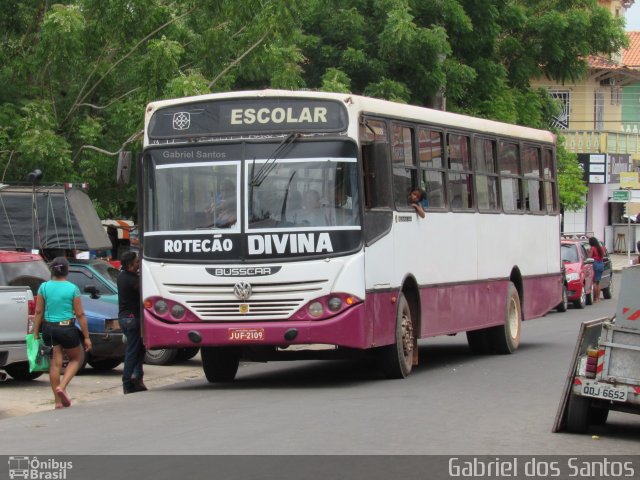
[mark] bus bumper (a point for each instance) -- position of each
(347, 329)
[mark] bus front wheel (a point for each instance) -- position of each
(397, 358)
(220, 364)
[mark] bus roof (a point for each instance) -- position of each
(374, 106)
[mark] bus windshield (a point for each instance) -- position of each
(244, 188)
(305, 193)
(309, 188)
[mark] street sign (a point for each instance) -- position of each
(621, 195)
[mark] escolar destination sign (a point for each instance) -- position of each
(247, 116)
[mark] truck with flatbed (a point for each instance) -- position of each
(605, 371)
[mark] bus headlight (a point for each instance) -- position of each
(334, 304)
(315, 309)
(178, 311)
(161, 307)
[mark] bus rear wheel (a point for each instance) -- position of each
(397, 359)
(220, 364)
(505, 339)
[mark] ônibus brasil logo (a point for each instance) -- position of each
(33, 468)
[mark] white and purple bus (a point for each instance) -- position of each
(276, 224)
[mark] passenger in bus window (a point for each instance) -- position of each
(224, 207)
(314, 212)
(341, 199)
(418, 200)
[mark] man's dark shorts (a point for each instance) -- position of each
(67, 336)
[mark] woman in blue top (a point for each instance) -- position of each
(58, 304)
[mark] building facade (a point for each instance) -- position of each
(600, 121)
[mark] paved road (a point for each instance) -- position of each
(454, 403)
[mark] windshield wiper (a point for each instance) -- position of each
(283, 212)
(258, 178)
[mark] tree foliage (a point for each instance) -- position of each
(75, 76)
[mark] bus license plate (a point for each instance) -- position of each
(246, 334)
(604, 391)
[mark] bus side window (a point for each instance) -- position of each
(378, 216)
(375, 161)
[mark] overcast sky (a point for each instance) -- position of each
(633, 17)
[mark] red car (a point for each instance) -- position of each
(579, 272)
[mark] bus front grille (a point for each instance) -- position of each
(268, 301)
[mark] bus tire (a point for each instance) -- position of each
(478, 341)
(505, 339)
(185, 354)
(397, 359)
(220, 364)
(578, 413)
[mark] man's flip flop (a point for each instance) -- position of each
(64, 398)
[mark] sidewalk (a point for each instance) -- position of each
(620, 260)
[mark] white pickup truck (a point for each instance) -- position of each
(17, 308)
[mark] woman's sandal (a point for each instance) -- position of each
(64, 398)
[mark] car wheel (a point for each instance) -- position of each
(105, 364)
(20, 371)
(582, 301)
(220, 364)
(160, 356)
(564, 304)
(608, 292)
(591, 295)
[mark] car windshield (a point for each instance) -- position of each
(569, 253)
(109, 272)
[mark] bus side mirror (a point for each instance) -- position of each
(123, 174)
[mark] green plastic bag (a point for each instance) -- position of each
(38, 361)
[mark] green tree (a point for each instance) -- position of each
(76, 76)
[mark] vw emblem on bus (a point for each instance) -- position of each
(181, 120)
(242, 290)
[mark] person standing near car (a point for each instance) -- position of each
(597, 253)
(129, 319)
(58, 305)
